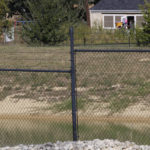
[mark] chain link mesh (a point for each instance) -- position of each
(35, 107)
(113, 95)
(112, 90)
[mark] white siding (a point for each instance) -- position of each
(96, 19)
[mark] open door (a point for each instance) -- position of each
(130, 22)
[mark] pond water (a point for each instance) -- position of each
(14, 132)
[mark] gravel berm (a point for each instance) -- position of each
(82, 145)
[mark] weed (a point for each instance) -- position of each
(144, 90)
(66, 105)
(7, 88)
(134, 82)
(61, 84)
(119, 104)
(4, 94)
(21, 96)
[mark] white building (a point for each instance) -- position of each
(108, 13)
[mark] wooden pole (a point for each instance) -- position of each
(87, 12)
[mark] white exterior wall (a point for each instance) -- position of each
(97, 18)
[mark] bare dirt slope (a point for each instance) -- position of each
(11, 106)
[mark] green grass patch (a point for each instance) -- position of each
(117, 78)
(33, 132)
(144, 90)
(14, 132)
(85, 35)
(66, 105)
(4, 94)
(134, 82)
(113, 131)
(119, 104)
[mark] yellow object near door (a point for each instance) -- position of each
(119, 24)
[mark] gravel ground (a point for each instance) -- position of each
(83, 145)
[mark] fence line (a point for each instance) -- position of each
(32, 70)
(72, 77)
(111, 51)
(72, 71)
(90, 50)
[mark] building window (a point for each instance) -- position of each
(118, 22)
(108, 22)
(117, 19)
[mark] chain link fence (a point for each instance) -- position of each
(35, 105)
(84, 35)
(112, 86)
(113, 93)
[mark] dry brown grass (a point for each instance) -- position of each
(116, 79)
(113, 93)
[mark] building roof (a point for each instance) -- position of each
(111, 5)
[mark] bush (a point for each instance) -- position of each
(142, 38)
(143, 35)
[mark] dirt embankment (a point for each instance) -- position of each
(11, 107)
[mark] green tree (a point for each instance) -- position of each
(21, 6)
(84, 9)
(146, 25)
(18, 6)
(47, 21)
(4, 22)
(143, 36)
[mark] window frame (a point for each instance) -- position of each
(122, 15)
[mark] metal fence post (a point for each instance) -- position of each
(73, 86)
(129, 39)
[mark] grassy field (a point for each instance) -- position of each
(14, 132)
(85, 35)
(118, 80)
(107, 84)
(34, 84)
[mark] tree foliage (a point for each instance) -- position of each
(146, 25)
(143, 36)
(18, 6)
(82, 8)
(4, 22)
(21, 7)
(46, 21)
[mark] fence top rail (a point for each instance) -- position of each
(35, 70)
(114, 51)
